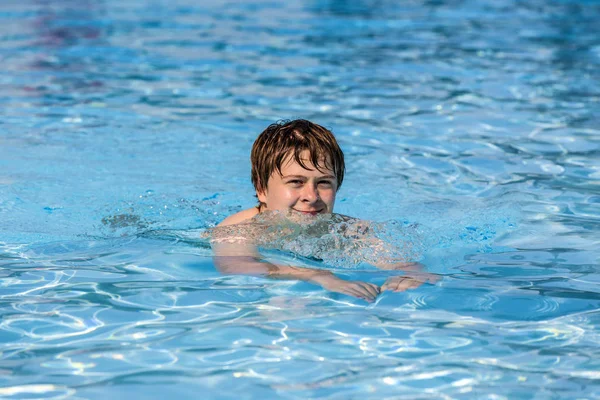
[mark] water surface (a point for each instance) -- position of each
(125, 133)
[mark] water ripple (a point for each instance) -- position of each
(125, 137)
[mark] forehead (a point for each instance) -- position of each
(290, 166)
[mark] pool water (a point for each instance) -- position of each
(125, 135)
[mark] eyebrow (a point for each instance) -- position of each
(302, 176)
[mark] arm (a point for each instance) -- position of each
(414, 272)
(241, 258)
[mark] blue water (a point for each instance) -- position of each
(125, 133)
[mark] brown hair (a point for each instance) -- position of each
(279, 140)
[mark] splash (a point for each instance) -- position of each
(162, 212)
(335, 239)
(429, 229)
(436, 227)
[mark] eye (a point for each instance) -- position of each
(325, 183)
(296, 182)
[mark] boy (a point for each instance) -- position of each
(297, 169)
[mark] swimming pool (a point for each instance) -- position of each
(125, 132)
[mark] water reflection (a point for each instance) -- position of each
(447, 109)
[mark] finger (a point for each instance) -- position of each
(413, 284)
(369, 287)
(365, 297)
(364, 292)
(390, 284)
(376, 287)
(354, 292)
(425, 277)
(403, 284)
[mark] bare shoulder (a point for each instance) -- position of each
(239, 217)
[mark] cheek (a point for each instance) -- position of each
(290, 195)
(328, 196)
(283, 195)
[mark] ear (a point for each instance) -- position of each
(262, 196)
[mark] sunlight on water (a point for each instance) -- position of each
(470, 132)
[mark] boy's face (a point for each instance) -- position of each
(310, 192)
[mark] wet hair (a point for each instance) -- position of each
(284, 138)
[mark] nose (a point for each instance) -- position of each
(310, 194)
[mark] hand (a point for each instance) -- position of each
(362, 290)
(411, 281)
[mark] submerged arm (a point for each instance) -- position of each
(244, 259)
(414, 272)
